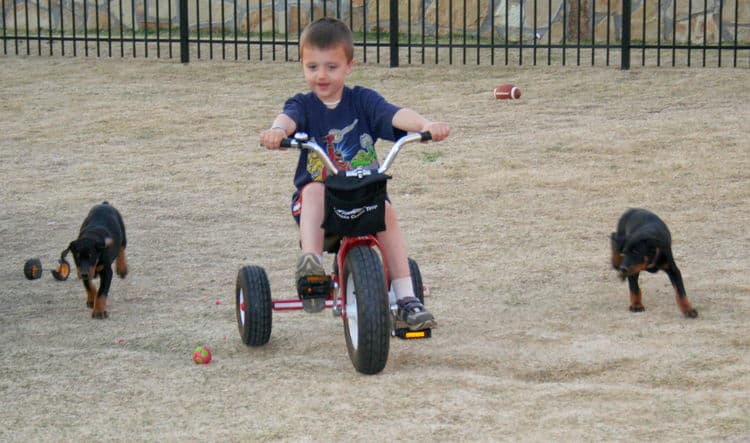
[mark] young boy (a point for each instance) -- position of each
(347, 121)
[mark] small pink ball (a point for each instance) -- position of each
(202, 355)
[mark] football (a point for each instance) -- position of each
(507, 92)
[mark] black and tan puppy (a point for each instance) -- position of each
(643, 243)
(100, 242)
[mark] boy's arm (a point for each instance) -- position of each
(411, 121)
(282, 127)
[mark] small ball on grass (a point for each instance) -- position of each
(202, 355)
(63, 270)
(32, 269)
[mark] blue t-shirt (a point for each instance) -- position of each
(348, 132)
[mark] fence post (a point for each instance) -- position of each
(625, 50)
(184, 47)
(394, 33)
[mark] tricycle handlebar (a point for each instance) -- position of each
(301, 141)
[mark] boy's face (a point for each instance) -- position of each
(326, 71)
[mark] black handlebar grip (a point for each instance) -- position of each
(286, 142)
(426, 136)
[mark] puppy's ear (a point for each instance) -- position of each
(653, 249)
(657, 255)
(73, 247)
(616, 242)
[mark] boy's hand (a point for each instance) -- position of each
(439, 130)
(271, 138)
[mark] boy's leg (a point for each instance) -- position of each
(311, 217)
(410, 309)
(310, 262)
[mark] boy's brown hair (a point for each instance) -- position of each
(326, 33)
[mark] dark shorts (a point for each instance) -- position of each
(296, 205)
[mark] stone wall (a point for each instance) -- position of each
(552, 17)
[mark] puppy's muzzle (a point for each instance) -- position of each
(86, 270)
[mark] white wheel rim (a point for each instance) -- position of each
(351, 312)
(242, 307)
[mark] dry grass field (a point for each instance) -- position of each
(509, 220)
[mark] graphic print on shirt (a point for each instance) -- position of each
(365, 156)
(344, 157)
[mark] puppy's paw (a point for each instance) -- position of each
(692, 313)
(637, 308)
(101, 315)
(122, 272)
(89, 304)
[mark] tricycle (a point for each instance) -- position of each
(358, 289)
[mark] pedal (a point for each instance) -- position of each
(408, 334)
(314, 286)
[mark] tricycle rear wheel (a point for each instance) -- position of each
(416, 280)
(253, 305)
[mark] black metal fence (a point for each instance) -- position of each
(580, 32)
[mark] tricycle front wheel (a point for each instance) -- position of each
(367, 320)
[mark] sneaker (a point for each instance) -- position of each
(412, 312)
(310, 265)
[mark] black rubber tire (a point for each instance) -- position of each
(373, 329)
(253, 305)
(416, 280)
